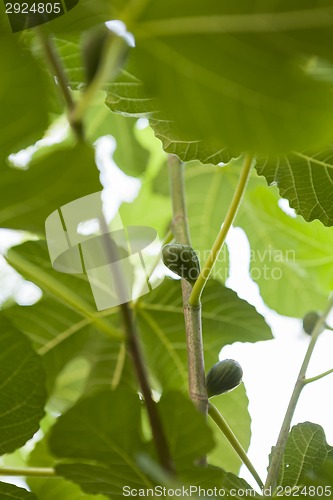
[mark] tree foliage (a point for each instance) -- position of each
(216, 81)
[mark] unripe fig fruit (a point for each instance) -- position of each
(181, 260)
(223, 377)
(93, 44)
(310, 320)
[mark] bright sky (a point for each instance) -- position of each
(271, 367)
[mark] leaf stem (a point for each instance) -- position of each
(226, 430)
(28, 471)
(192, 314)
(317, 377)
(56, 67)
(200, 283)
(160, 441)
(278, 450)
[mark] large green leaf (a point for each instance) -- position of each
(306, 450)
(200, 477)
(208, 193)
(69, 50)
(110, 365)
(181, 423)
(52, 180)
(99, 422)
(32, 261)
(284, 249)
(235, 74)
(11, 492)
(26, 94)
(322, 476)
(223, 484)
(198, 482)
(305, 179)
(105, 429)
(22, 391)
(235, 486)
(291, 260)
(129, 154)
(186, 149)
(84, 15)
(69, 386)
(148, 209)
(60, 335)
(126, 96)
(55, 488)
(226, 319)
(59, 489)
(64, 323)
(57, 332)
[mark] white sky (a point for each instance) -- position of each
(271, 367)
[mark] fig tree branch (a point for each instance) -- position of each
(62, 81)
(278, 450)
(192, 314)
(134, 348)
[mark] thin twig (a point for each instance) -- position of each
(199, 285)
(317, 377)
(28, 471)
(134, 348)
(161, 444)
(192, 315)
(62, 80)
(278, 450)
(227, 431)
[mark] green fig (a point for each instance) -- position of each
(182, 260)
(310, 321)
(93, 44)
(224, 376)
